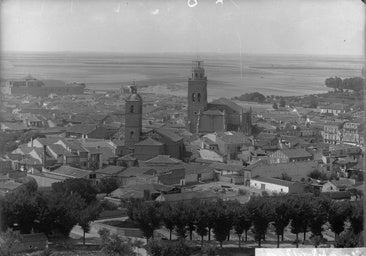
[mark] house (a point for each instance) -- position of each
(334, 109)
(230, 173)
(46, 178)
(127, 160)
(195, 172)
(85, 131)
(110, 171)
(148, 149)
(276, 185)
(13, 126)
(332, 132)
(289, 156)
(137, 175)
(352, 133)
(266, 142)
(229, 143)
(329, 187)
(173, 142)
(296, 170)
(142, 191)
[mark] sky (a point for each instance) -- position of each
(326, 27)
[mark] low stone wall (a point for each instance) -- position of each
(129, 232)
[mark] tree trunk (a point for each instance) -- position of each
(220, 244)
(278, 241)
(201, 241)
(83, 237)
(304, 237)
(246, 235)
(259, 241)
(239, 236)
(297, 240)
(228, 236)
(336, 235)
(170, 234)
(209, 234)
(264, 237)
(190, 234)
(282, 236)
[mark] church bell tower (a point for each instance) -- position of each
(133, 118)
(197, 95)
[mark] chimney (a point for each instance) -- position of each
(44, 155)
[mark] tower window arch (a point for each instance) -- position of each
(196, 75)
(193, 97)
(199, 97)
(131, 109)
(131, 134)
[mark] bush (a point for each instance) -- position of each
(108, 206)
(349, 239)
(155, 248)
(243, 192)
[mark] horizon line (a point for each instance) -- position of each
(178, 52)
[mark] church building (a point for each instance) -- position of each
(217, 116)
(159, 141)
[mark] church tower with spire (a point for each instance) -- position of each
(197, 95)
(133, 118)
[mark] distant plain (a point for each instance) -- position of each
(228, 74)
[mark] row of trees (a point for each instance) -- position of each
(254, 96)
(70, 202)
(301, 213)
(354, 83)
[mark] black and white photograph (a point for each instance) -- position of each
(182, 127)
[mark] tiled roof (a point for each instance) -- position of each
(82, 128)
(58, 149)
(228, 167)
(296, 170)
(71, 172)
(49, 140)
(136, 171)
(127, 157)
(296, 152)
(232, 137)
(274, 181)
(213, 112)
(163, 159)
(149, 142)
(223, 101)
(111, 170)
(169, 133)
(13, 126)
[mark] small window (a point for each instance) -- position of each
(193, 97)
(131, 109)
(131, 134)
(199, 97)
(196, 75)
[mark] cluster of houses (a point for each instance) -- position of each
(276, 152)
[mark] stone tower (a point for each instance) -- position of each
(197, 95)
(133, 118)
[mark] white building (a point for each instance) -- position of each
(273, 185)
